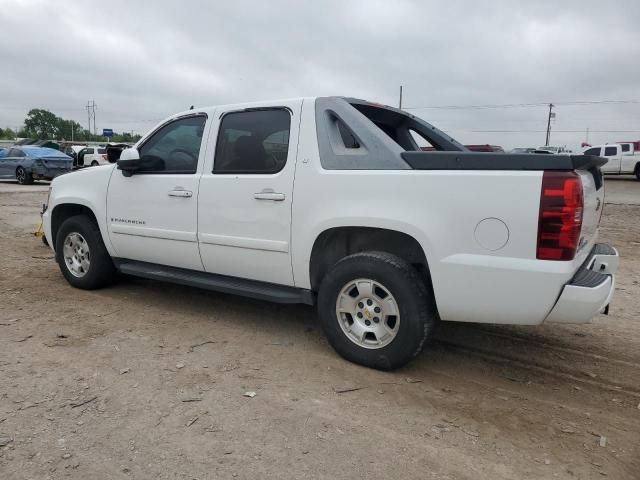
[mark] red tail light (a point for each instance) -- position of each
(104, 157)
(560, 218)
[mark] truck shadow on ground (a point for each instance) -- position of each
(517, 353)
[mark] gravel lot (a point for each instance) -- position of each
(147, 380)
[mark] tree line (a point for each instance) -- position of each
(42, 124)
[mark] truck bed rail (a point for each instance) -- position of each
(499, 161)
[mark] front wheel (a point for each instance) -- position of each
(376, 310)
(94, 163)
(81, 254)
(23, 177)
(637, 171)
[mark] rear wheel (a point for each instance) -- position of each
(23, 177)
(376, 310)
(81, 254)
(637, 171)
(94, 163)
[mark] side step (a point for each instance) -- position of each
(219, 283)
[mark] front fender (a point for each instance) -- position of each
(88, 188)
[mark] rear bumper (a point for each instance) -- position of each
(590, 290)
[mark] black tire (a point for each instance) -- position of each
(94, 163)
(418, 314)
(101, 271)
(637, 171)
(23, 177)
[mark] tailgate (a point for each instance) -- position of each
(593, 192)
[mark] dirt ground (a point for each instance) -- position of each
(147, 380)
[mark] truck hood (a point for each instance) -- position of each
(97, 177)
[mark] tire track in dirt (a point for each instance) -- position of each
(539, 340)
(534, 365)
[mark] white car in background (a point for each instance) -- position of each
(93, 156)
(554, 150)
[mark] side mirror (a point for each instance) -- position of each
(129, 161)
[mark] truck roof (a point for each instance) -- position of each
(264, 103)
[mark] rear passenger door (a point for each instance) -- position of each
(245, 195)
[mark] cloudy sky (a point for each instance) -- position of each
(143, 63)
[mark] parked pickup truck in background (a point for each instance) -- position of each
(621, 158)
(330, 201)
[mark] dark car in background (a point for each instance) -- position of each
(485, 148)
(523, 150)
(473, 148)
(27, 163)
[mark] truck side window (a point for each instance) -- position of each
(610, 151)
(625, 147)
(253, 142)
(174, 148)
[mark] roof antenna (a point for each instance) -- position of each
(191, 107)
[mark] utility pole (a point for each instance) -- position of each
(400, 103)
(88, 107)
(91, 113)
(546, 144)
(94, 117)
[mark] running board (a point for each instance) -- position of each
(219, 283)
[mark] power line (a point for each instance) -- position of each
(557, 131)
(524, 105)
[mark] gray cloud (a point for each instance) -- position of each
(141, 63)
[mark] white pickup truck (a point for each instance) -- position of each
(330, 201)
(621, 158)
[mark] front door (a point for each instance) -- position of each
(9, 163)
(245, 197)
(612, 154)
(152, 215)
(5, 162)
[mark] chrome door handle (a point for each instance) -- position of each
(265, 195)
(180, 193)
